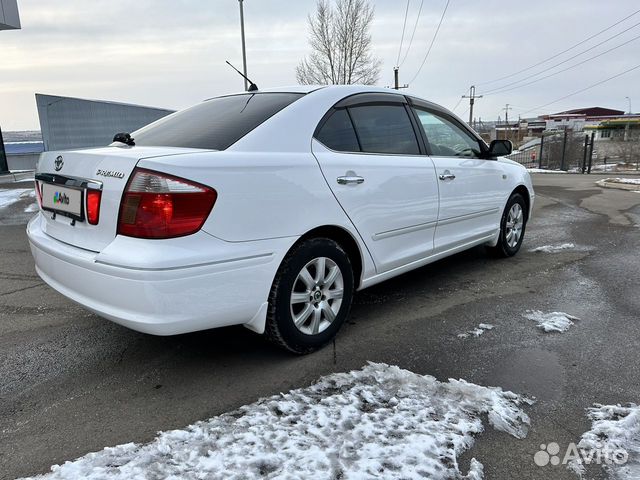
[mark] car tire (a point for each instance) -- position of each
(310, 297)
(512, 227)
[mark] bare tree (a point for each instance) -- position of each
(340, 43)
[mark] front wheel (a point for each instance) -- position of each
(310, 297)
(512, 227)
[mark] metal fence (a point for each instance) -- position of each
(581, 152)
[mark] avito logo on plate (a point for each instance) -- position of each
(61, 198)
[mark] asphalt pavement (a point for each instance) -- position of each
(72, 383)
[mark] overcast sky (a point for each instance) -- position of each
(171, 53)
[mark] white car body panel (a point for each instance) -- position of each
(274, 185)
(471, 204)
(409, 187)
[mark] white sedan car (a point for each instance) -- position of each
(269, 209)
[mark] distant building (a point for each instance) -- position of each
(9, 16)
(68, 122)
(579, 118)
(618, 128)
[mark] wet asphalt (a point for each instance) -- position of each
(72, 383)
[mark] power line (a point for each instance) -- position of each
(583, 89)
(457, 104)
(562, 52)
(415, 25)
(496, 91)
(406, 11)
(432, 42)
(504, 88)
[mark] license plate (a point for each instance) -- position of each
(67, 201)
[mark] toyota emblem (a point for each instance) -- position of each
(59, 162)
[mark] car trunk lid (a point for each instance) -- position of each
(64, 179)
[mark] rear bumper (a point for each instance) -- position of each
(223, 283)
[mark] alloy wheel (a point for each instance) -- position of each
(515, 222)
(316, 295)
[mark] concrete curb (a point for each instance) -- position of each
(608, 183)
(16, 176)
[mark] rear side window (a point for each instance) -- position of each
(215, 124)
(337, 133)
(384, 129)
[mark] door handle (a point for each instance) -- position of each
(447, 175)
(350, 180)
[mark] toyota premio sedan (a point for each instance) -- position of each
(270, 209)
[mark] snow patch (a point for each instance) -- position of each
(552, 321)
(613, 428)
(377, 422)
(553, 248)
(476, 332)
(10, 196)
(627, 181)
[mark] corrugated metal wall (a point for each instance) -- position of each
(68, 123)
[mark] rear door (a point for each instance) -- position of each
(471, 188)
(374, 162)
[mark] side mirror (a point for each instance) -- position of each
(500, 148)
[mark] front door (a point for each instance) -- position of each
(470, 187)
(371, 158)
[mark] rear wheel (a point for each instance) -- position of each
(512, 227)
(310, 297)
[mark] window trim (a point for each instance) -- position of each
(434, 109)
(373, 99)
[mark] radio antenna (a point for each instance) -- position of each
(252, 86)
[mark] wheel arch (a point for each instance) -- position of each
(524, 191)
(343, 238)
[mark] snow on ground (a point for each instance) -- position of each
(476, 332)
(552, 321)
(377, 422)
(627, 181)
(615, 431)
(10, 196)
(542, 170)
(553, 248)
(31, 208)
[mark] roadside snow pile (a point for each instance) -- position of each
(551, 322)
(542, 170)
(476, 332)
(614, 439)
(627, 181)
(553, 248)
(381, 422)
(10, 196)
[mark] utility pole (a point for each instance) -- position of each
(629, 100)
(472, 97)
(506, 121)
(244, 51)
(396, 82)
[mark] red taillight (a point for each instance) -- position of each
(93, 206)
(38, 193)
(157, 205)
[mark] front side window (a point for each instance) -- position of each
(384, 129)
(215, 124)
(447, 139)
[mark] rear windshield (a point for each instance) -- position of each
(214, 124)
